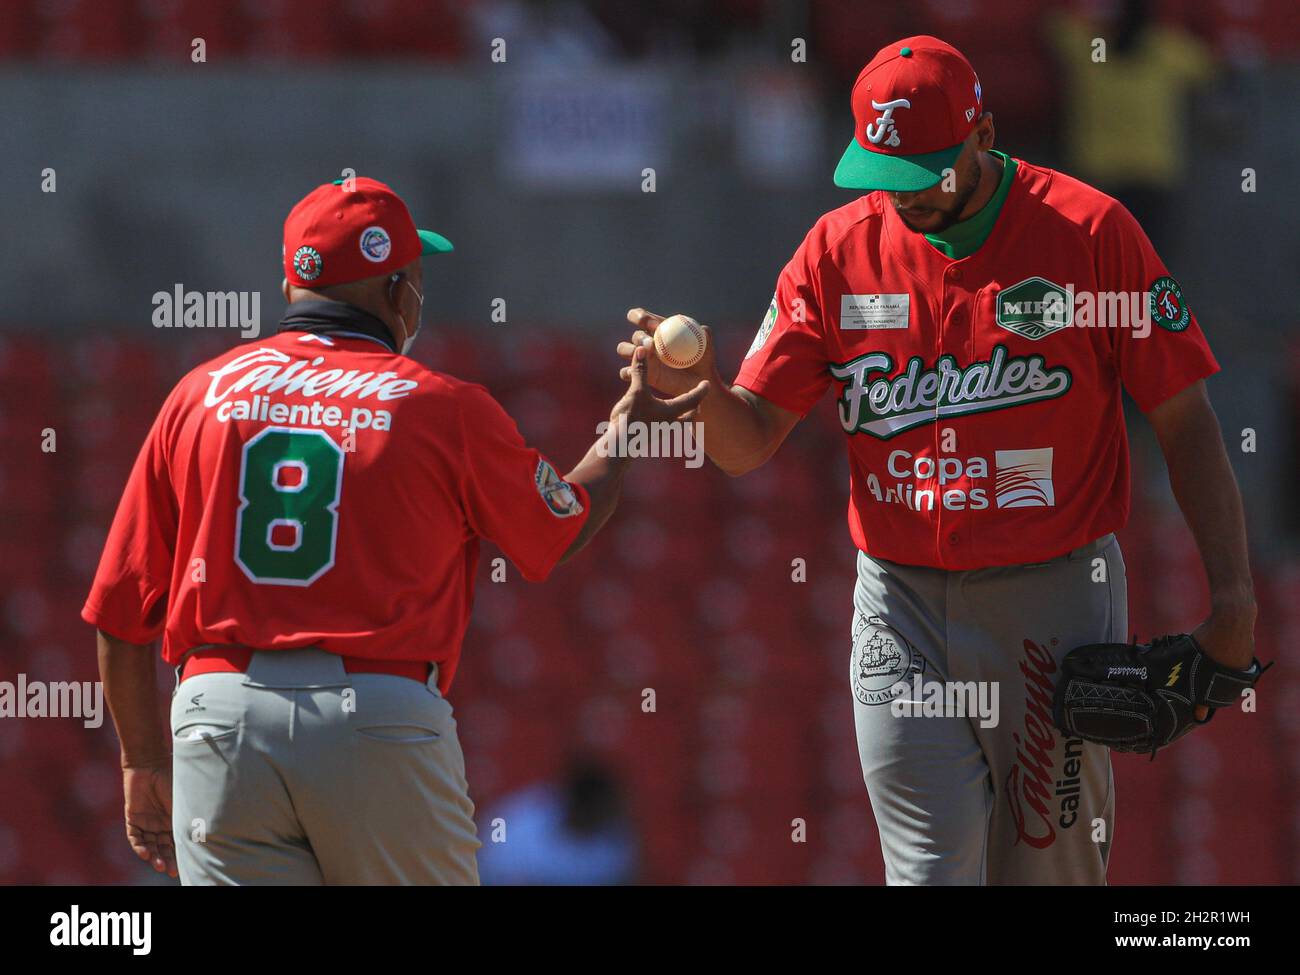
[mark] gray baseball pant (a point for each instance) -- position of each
(299, 773)
(953, 674)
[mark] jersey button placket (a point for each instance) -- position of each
(949, 314)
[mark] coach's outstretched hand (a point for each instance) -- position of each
(640, 404)
(601, 471)
(659, 376)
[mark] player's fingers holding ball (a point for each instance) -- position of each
(643, 319)
(639, 340)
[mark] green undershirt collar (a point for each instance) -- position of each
(964, 239)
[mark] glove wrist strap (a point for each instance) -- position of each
(1217, 686)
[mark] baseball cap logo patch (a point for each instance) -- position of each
(970, 112)
(906, 144)
(307, 262)
(884, 126)
(355, 233)
(376, 245)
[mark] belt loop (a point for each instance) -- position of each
(180, 664)
(1093, 547)
(1100, 544)
(432, 682)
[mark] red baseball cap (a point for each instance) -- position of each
(913, 105)
(352, 229)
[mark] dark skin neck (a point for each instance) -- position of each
(942, 205)
(990, 176)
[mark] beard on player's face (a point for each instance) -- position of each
(933, 210)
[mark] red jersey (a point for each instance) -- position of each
(982, 396)
(320, 490)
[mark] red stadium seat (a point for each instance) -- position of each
(278, 30)
(171, 26)
(87, 30)
(754, 843)
(26, 557)
(404, 29)
(18, 29)
(25, 363)
(667, 840)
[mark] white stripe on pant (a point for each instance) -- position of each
(297, 772)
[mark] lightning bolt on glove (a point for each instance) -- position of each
(1140, 697)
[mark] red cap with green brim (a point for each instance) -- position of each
(914, 105)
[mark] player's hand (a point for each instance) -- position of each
(640, 404)
(148, 791)
(1227, 638)
(674, 382)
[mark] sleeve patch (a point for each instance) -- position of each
(1168, 309)
(556, 492)
(764, 330)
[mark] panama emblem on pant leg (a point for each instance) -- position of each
(881, 659)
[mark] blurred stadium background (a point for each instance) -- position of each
(170, 171)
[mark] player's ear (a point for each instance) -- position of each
(985, 132)
(284, 289)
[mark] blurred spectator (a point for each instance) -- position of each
(571, 33)
(573, 832)
(1126, 116)
(558, 32)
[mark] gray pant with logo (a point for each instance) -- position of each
(297, 772)
(952, 676)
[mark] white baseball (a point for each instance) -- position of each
(680, 342)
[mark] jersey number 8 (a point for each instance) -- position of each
(286, 529)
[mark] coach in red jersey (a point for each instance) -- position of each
(301, 528)
(978, 318)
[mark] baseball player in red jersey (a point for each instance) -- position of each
(302, 528)
(954, 309)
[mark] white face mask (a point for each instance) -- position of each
(419, 320)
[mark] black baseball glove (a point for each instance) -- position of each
(1140, 697)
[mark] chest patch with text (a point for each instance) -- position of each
(870, 312)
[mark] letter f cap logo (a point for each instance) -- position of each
(911, 111)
